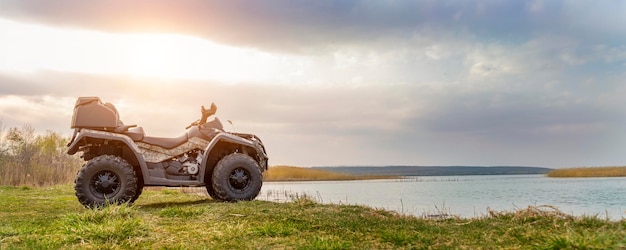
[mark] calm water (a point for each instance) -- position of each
(466, 196)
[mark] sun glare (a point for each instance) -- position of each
(153, 56)
(28, 48)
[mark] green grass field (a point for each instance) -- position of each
(51, 218)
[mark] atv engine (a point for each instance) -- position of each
(187, 164)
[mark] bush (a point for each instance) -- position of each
(28, 158)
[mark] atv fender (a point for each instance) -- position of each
(230, 138)
(90, 133)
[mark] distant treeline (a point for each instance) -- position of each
(27, 158)
(436, 170)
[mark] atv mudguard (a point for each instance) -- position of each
(75, 145)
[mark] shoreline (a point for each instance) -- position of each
(293, 173)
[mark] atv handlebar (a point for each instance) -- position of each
(195, 123)
(205, 115)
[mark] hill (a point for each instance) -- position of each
(435, 170)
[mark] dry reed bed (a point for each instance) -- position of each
(589, 172)
(28, 158)
(292, 173)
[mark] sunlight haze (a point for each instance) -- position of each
(31, 48)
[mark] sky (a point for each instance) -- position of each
(335, 83)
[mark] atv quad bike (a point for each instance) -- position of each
(121, 159)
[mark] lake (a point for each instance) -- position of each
(465, 196)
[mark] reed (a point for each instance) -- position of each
(293, 173)
(32, 159)
(589, 172)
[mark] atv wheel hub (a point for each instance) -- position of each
(239, 178)
(105, 182)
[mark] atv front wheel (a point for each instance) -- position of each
(237, 177)
(105, 179)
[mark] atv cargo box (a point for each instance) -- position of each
(90, 112)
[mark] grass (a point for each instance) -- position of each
(291, 173)
(589, 172)
(51, 218)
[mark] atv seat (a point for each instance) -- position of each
(167, 143)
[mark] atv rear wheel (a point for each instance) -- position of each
(237, 177)
(105, 179)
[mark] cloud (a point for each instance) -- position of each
(256, 24)
(305, 25)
